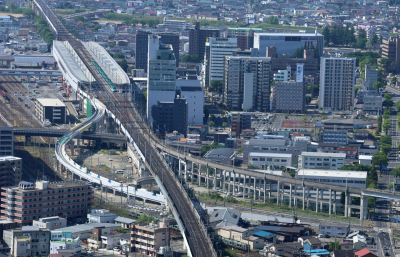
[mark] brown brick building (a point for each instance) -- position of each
(197, 39)
(27, 201)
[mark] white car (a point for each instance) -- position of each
(116, 248)
(89, 251)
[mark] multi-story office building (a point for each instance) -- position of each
(161, 73)
(148, 238)
(52, 110)
(175, 24)
(278, 146)
(244, 36)
(198, 37)
(28, 241)
(287, 43)
(273, 161)
(289, 97)
(240, 121)
(216, 50)
(10, 171)
(27, 201)
(391, 51)
(337, 79)
(325, 161)
(192, 91)
(371, 76)
(246, 83)
(334, 137)
(372, 105)
(142, 38)
(6, 141)
(142, 44)
(168, 117)
(363, 93)
(310, 63)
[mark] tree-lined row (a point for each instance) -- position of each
(346, 36)
(44, 31)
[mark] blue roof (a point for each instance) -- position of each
(265, 234)
(317, 252)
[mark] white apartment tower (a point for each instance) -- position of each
(216, 50)
(161, 73)
(337, 79)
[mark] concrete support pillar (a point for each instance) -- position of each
(278, 188)
(192, 174)
(244, 186)
(28, 140)
(322, 197)
(215, 178)
(363, 208)
(290, 195)
(330, 201)
(186, 172)
(265, 189)
(304, 197)
(223, 174)
(234, 181)
(270, 189)
(283, 192)
(334, 202)
(255, 179)
(72, 147)
(179, 166)
(346, 205)
(316, 200)
(350, 201)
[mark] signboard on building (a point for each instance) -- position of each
(299, 72)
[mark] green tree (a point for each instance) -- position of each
(313, 90)
(386, 148)
(386, 126)
(327, 35)
(211, 123)
(377, 85)
(191, 58)
(144, 218)
(119, 56)
(79, 18)
(29, 13)
(205, 148)
(380, 159)
(390, 186)
(273, 20)
(374, 40)
(356, 167)
(396, 172)
(224, 124)
(334, 246)
(386, 140)
(385, 62)
(216, 85)
(394, 79)
(124, 65)
(68, 5)
(308, 99)
(388, 103)
(121, 230)
(97, 27)
(356, 89)
(92, 9)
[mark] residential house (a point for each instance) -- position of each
(239, 235)
(229, 215)
(365, 253)
(346, 245)
(361, 134)
(351, 153)
(312, 244)
(124, 222)
(334, 229)
(359, 242)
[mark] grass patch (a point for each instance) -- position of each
(105, 168)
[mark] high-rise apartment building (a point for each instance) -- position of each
(28, 201)
(371, 76)
(244, 36)
(197, 39)
(246, 83)
(168, 117)
(216, 50)
(142, 43)
(337, 79)
(289, 97)
(161, 73)
(28, 241)
(391, 51)
(6, 141)
(240, 121)
(142, 38)
(10, 171)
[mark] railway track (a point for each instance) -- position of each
(123, 109)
